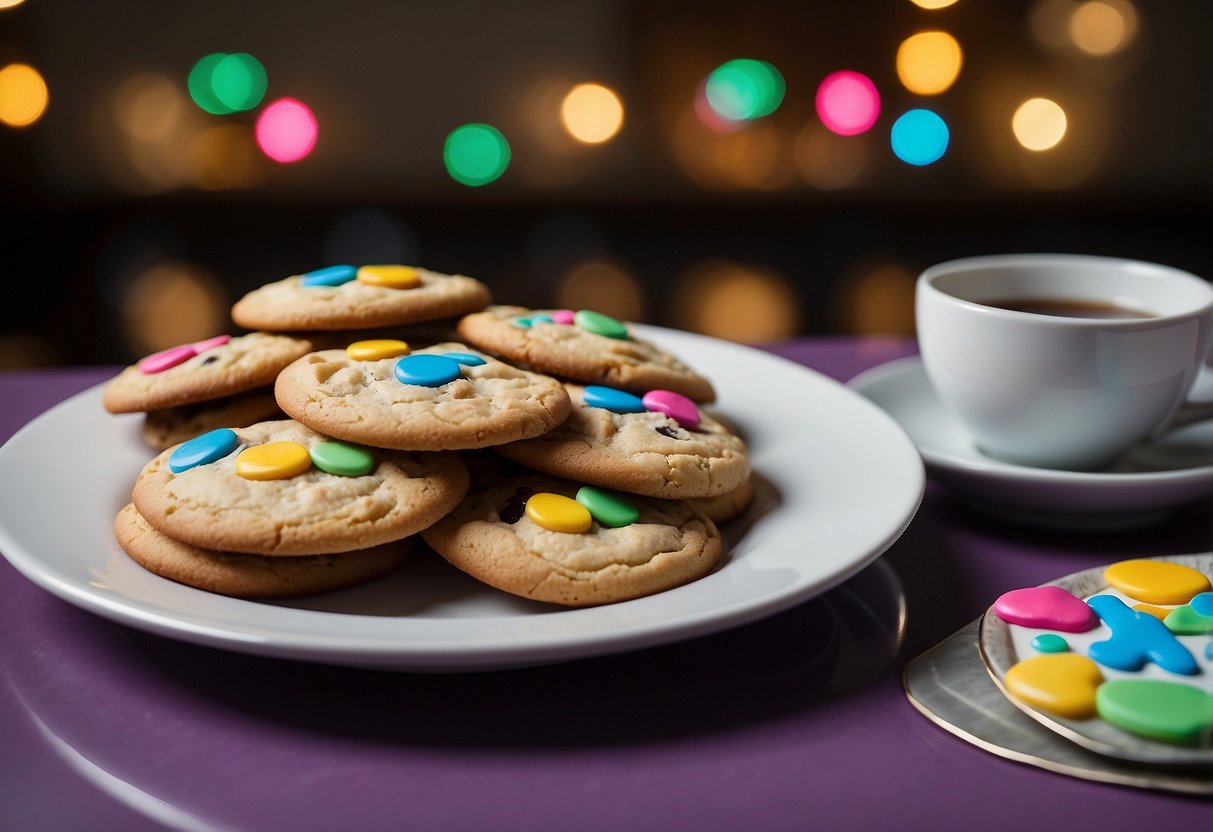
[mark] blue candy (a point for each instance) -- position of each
(427, 370)
(465, 358)
(330, 276)
(616, 401)
(202, 450)
(1202, 604)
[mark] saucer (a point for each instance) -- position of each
(1142, 487)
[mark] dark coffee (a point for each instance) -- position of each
(1071, 308)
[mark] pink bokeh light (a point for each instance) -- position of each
(287, 130)
(848, 103)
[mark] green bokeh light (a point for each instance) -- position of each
(220, 83)
(476, 154)
(744, 89)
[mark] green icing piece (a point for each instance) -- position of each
(1050, 643)
(1185, 621)
(1156, 709)
(342, 459)
(600, 324)
(607, 507)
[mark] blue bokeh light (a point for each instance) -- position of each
(919, 137)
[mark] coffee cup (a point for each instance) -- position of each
(1062, 361)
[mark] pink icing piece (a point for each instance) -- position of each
(563, 316)
(210, 343)
(1047, 607)
(675, 405)
(166, 359)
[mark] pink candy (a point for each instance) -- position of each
(1046, 607)
(563, 316)
(167, 359)
(675, 405)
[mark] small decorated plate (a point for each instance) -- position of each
(1118, 658)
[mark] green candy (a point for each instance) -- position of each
(1155, 708)
(342, 459)
(607, 507)
(1050, 643)
(600, 324)
(1185, 621)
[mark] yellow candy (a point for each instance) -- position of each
(273, 461)
(1156, 581)
(1158, 612)
(376, 349)
(1060, 683)
(558, 513)
(389, 277)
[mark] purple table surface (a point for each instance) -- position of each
(797, 721)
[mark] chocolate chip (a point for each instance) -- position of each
(210, 359)
(512, 512)
(666, 430)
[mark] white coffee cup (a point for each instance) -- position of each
(1057, 389)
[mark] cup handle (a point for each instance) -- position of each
(1196, 409)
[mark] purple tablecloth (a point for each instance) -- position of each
(794, 722)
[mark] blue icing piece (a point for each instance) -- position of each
(525, 323)
(202, 450)
(616, 401)
(427, 370)
(1202, 604)
(1137, 637)
(1209, 650)
(541, 318)
(330, 276)
(465, 358)
(1050, 643)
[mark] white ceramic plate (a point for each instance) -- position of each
(1142, 487)
(838, 481)
(1003, 645)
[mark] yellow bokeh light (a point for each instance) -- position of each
(23, 95)
(1039, 124)
(1101, 28)
(604, 287)
(591, 113)
(173, 303)
(929, 62)
(878, 299)
(933, 4)
(829, 161)
(10, 4)
(149, 106)
(737, 301)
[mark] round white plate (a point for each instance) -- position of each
(1141, 487)
(838, 481)
(1003, 645)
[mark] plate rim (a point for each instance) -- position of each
(431, 655)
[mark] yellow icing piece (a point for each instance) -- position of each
(1158, 612)
(376, 349)
(558, 513)
(1060, 683)
(273, 461)
(390, 277)
(1155, 581)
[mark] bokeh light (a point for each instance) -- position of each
(604, 286)
(23, 95)
(737, 301)
(287, 130)
(22, 350)
(238, 81)
(744, 89)
(173, 303)
(933, 4)
(1039, 124)
(847, 103)
(829, 161)
(149, 106)
(877, 298)
(919, 137)
(201, 89)
(10, 4)
(225, 158)
(476, 154)
(756, 158)
(1103, 27)
(929, 62)
(591, 113)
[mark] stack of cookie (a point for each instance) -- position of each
(604, 511)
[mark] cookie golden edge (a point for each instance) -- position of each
(251, 576)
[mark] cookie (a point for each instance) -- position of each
(268, 489)
(476, 401)
(544, 341)
(648, 453)
(494, 536)
(346, 297)
(202, 371)
(173, 425)
(250, 576)
(729, 505)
